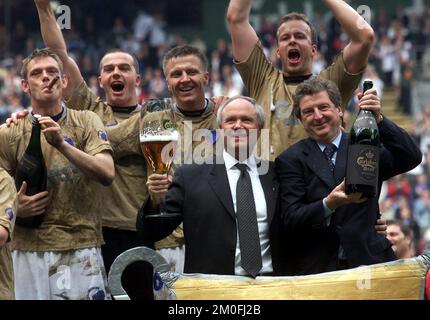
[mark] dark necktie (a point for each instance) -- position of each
(249, 239)
(329, 151)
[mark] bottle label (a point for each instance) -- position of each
(363, 165)
(33, 171)
(29, 164)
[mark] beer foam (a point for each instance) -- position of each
(174, 136)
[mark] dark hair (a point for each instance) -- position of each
(135, 61)
(406, 230)
(182, 51)
(313, 86)
(39, 53)
(298, 16)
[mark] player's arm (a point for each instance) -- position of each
(243, 35)
(356, 53)
(54, 39)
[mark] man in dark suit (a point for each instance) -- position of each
(210, 199)
(329, 229)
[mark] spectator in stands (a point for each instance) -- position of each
(421, 211)
(401, 237)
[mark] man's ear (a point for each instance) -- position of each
(24, 86)
(314, 50)
(64, 80)
(340, 111)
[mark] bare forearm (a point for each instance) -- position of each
(353, 24)
(53, 38)
(99, 167)
(239, 11)
(243, 36)
(51, 32)
(356, 53)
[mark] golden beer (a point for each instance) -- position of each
(159, 151)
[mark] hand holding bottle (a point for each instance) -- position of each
(29, 206)
(370, 101)
(338, 197)
(362, 171)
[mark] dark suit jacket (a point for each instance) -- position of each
(305, 179)
(201, 193)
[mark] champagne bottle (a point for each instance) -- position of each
(32, 169)
(363, 153)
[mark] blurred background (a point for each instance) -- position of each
(399, 64)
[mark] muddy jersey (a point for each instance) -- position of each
(197, 136)
(73, 216)
(8, 208)
(265, 83)
(123, 198)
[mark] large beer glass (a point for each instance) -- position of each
(158, 141)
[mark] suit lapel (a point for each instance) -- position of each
(341, 159)
(317, 162)
(218, 181)
(270, 187)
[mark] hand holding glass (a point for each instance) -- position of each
(158, 141)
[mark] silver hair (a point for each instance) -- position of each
(261, 117)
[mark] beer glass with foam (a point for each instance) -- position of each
(158, 141)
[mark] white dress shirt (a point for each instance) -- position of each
(233, 174)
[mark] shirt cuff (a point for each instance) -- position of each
(327, 213)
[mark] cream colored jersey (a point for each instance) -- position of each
(8, 208)
(73, 216)
(265, 83)
(125, 141)
(121, 200)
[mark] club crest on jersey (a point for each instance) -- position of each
(9, 213)
(69, 140)
(103, 135)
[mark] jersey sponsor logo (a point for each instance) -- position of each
(9, 213)
(69, 140)
(102, 135)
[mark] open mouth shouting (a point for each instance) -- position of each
(117, 88)
(293, 56)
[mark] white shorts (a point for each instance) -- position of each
(175, 257)
(63, 275)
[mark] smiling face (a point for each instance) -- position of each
(40, 72)
(241, 128)
(119, 79)
(400, 243)
(295, 48)
(320, 117)
(186, 79)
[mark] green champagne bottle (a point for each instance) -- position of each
(363, 153)
(32, 169)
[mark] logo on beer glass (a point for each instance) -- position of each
(158, 140)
